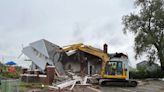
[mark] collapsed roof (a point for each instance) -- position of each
(43, 52)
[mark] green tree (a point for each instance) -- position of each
(148, 26)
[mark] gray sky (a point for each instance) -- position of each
(64, 22)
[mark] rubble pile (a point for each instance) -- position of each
(68, 68)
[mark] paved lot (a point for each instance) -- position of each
(148, 86)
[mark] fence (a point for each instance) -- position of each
(9, 85)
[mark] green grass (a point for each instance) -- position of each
(26, 86)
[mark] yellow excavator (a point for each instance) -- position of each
(109, 75)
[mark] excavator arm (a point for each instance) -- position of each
(71, 47)
(105, 78)
(90, 50)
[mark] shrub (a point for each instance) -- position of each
(142, 74)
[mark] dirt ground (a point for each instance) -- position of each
(76, 89)
(144, 86)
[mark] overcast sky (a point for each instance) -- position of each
(63, 22)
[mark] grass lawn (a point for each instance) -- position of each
(26, 86)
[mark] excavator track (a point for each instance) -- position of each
(122, 83)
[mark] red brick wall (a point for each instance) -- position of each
(50, 74)
(45, 80)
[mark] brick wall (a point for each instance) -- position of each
(50, 74)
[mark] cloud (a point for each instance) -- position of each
(63, 22)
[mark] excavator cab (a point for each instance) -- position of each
(114, 68)
(116, 72)
(117, 68)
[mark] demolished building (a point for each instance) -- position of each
(43, 53)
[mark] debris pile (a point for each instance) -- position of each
(77, 64)
(68, 68)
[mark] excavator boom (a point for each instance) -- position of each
(105, 74)
(90, 50)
